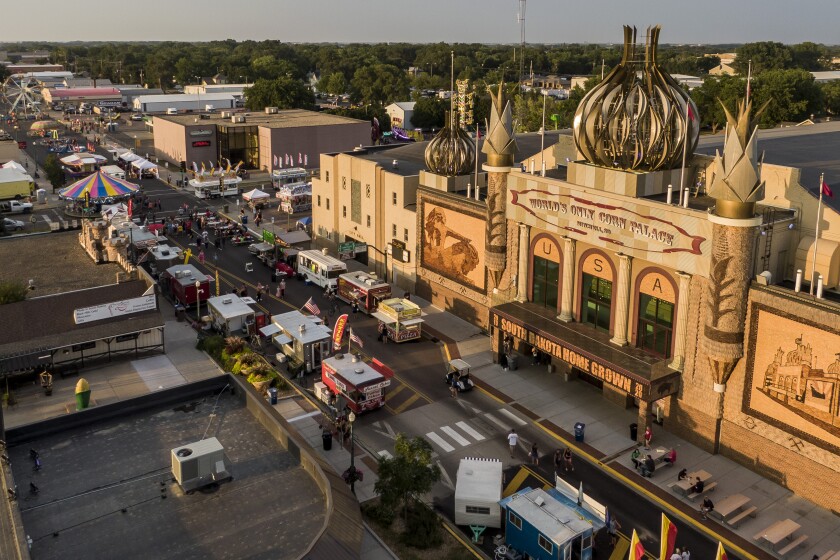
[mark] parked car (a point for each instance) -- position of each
(13, 225)
(137, 117)
(283, 270)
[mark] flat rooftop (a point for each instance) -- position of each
(291, 118)
(106, 490)
(56, 262)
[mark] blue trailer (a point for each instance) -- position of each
(546, 525)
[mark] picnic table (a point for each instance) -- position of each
(658, 455)
(730, 505)
(779, 531)
(684, 486)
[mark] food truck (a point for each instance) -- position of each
(348, 381)
(319, 268)
(401, 318)
(295, 197)
(302, 339)
(364, 288)
(232, 314)
(180, 280)
(280, 177)
(215, 187)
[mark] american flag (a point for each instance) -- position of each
(356, 339)
(312, 307)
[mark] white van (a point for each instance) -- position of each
(320, 269)
(113, 171)
(172, 111)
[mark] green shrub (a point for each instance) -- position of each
(212, 345)
(378, 514)
(422, 529)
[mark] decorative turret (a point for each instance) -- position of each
(638, 118)
(736, 183)
(500, 147)
(451, 152)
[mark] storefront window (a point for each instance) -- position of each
(656, 323)
(546, 282)
(596, 302)
(240, 143)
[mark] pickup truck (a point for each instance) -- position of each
(15, 207)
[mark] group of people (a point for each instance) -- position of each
(646, 465)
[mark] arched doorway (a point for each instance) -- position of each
(596, 294)
(656, 313)
(546, 263)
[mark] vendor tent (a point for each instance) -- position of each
(293, 237)
(142, 164)
(99, 185)
(14, 165)
(113, 210)
(83, 158)
(129, 156)
(255, 194)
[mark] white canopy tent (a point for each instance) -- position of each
(142, 164)
(255, 194)
(83, 158)
(14, 165)
(129, 156)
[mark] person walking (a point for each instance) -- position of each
(260, 291)
(558, 462)
(201, 256)
(381, 330)
(686, 555)
(676, 555)
(281, 288)
(648, 437)
(513, 439)
(534, 455)
(612, 529)
(567, 459)
(453, 388)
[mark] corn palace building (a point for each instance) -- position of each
(714, 307)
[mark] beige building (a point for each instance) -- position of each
(261, 140)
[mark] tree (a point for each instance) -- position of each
(831, 97)
(379, 84)
(714, 91)
(408, 474)
(334, 84)
(11, 291)
(793, 96)
(765, 55)
(429, 113)
(283, 92)
(53, 171)
(809, 56)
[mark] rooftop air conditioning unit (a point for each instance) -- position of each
(199, 464)
(227, 300)
(271, 110)
(179, 274)
(237, 119)
(227, 114)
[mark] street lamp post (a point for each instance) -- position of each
(351, 472)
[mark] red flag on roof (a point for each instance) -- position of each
(826, 190)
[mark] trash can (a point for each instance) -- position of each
(634, 431)
(180, 313)
(226, 208)
(579, 426)
(272, 395)
(512, 362)
(327, 438)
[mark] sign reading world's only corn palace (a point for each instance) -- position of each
(671, 236)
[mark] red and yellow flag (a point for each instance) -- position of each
(668, 538)
(721, 554)
(637, 551)
(338, 331)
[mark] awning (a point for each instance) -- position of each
(282, 339)
(293, 237)
(828, 260)
(382, 317)
(270, 330)
(409, 322)
(261, 247)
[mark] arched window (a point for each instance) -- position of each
(657, 302)
(545, 271)
(596, 291)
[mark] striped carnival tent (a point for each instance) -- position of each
(99, 185)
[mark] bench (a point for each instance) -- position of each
(793, 544)
(707, 488)
(749, 512)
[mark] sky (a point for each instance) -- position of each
(421, 21)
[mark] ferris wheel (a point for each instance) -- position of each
(22, 91)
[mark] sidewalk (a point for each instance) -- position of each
(556, 405)
(182, 363)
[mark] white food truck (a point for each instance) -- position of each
(320, 269)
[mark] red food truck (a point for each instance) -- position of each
(180, 280)
(367, 289)
(348, 381)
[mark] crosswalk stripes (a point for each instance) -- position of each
(449, 434)
(440, 442)
(462, 441)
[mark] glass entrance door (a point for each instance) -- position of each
(596, 302)
(546, 282)
(656, 323)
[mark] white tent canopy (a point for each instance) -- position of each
(255, 194)
(142, 163)
(83, 159)
(129, 156)
(14, 165)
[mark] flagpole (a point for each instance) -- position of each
(749, 76)
(816, 238)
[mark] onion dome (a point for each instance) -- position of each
(638, 118)
(451, 152)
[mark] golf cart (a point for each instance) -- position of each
(459, 372)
